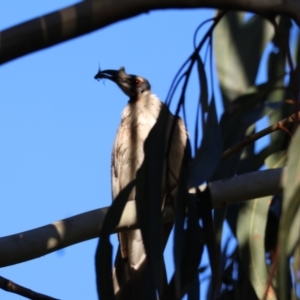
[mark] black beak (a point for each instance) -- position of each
(124, 81)
(108, 74)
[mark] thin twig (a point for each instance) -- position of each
(285, 130)
(254, 137)
(12, 287)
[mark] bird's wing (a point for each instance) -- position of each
(178, 136)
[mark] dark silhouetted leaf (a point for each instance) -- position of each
(203, 99)
(205, 213)
(203, 85)
(103, 262)
(103, 257)
(209, 154)
(191, 252)
(194, 291)
(180, 240)
(149, 201)
(271, 236)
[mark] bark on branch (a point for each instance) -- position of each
(88, 16)
(41, 241)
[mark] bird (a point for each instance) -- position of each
(138, 119)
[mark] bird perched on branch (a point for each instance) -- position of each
(138, 119)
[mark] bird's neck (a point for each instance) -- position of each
(145, 104)
(142, 97)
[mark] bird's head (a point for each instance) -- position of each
(132, 85)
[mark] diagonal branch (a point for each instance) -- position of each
(256, 136)
(12, 287)
(91, 15)
(41, 241)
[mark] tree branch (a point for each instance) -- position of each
(256, 136)
(40, 241)
(88, 16)
(12, 287)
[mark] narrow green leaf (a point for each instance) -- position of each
(236, 58)
(288, 230)
(276, 64)
(251, 238)
(275, 160)
(276, 69)
(243, 116)
(296, 274)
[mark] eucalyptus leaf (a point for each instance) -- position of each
(290, 215)
(191, 252)
(209, 154)
(251, 238)
(180, 239)
(103, 257)
(236, 58)
(103, 263)
(205, 213)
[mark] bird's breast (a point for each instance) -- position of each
(128, 153)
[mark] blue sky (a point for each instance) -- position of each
(57, 127)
